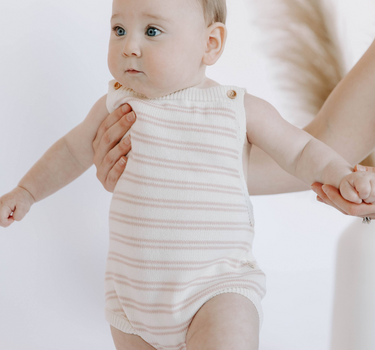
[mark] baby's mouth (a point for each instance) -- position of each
(133, 71)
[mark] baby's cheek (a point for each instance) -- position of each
(158, 65)
(112, 64)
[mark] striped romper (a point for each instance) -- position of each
(181, 222)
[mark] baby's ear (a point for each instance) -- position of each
(216, 38)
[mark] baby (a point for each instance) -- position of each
(181, 223)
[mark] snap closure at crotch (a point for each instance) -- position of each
(232, 94)
(117, 86)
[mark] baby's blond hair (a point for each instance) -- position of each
(214, 11)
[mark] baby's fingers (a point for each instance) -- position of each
(5, 216)
(363, 187)
(371, 197)
(20, 211)
(349, 192)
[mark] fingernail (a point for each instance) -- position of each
(131, 116)
(325, 189)
(126, 108)
(361, 167)
(127, 140)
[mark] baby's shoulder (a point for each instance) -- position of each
(256, 104)
(256, 108)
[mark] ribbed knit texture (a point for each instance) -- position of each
(180, 221)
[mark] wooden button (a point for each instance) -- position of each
(232, 94)
(117, 86)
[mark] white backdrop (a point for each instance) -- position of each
(53, 67)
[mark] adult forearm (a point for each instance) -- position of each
(346, 123)
(54, 170)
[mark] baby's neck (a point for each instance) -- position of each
(206, 83)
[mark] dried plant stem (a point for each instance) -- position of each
(299, 41)
(308, 59)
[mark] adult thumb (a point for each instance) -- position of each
(359, 167)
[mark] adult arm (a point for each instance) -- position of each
(346, 123)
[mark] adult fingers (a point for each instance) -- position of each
(115, 173)
(108, 122)
(113, 136)
(113, 165)
(322, 197)
(359, 167)
(111, 119)
(353, 209)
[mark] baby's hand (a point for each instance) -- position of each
(358, 186)
(14, 206)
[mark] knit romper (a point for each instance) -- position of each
(181, 222)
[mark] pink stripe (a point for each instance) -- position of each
(164, 160)
(120, 193)
(185, 123)
(182, 222)
(186, 149)
(124, 178)
(163, 242)
(131, 156)
(197, 110)
(227, 261)
(173, 290)
(221, 285)
(184, 142)
(211, 228)
(189, 248)
(185, 129)
(204, 279)
(128, 172)
(177, 207)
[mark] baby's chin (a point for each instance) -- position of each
(148, 90)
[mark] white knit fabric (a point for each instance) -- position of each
(181, 222)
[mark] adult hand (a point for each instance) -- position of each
(110, 154)
(330, 195)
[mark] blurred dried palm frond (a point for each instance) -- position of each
(298, 39)
(300, 42)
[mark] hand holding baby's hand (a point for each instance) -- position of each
(14, 206)
(358, 186)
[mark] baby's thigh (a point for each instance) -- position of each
(227, 321)
(125, 341)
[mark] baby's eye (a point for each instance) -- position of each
(119, 31)
(153, 31)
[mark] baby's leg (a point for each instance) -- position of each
(227, 321)
(125, 341)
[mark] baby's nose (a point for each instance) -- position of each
(131, 49)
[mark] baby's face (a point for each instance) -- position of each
(156, 46)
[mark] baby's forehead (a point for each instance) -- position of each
(158, 9)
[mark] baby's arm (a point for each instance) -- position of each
(293, 149)
(63, 162)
